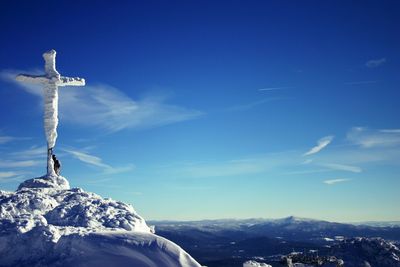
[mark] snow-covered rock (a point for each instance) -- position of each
(45, 223)
(363, 251)
(252, 263)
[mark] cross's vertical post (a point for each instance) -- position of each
(51, 80)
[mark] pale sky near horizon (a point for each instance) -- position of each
(212, 109)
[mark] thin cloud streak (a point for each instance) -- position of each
(373, 63)
(6, 139)
(335, 181)
(370, 138)
(89, 159)
(322, 143)
(342, 167)
(98, 162)
(9, 174)
(20, 164)
(33, 152)
(106, 107)
(391, 131)
(356, 155)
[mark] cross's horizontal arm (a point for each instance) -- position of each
(32, 79)
(71, 81)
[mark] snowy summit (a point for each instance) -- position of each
(47, 223)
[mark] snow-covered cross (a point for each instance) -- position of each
(51, 80)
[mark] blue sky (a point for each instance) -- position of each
(212, 109)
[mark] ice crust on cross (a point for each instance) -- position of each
(51, 80)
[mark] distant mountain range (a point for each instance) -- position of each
(230, 242)
(291, 228)
(379, 224)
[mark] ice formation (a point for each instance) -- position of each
(51, 81)
(46, 223)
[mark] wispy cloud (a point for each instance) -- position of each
(360, 82)
(6, 139)
(356, 155)
(32, 152)
(98, 162)
(390, 131)
(9, 76)
(19, 161)
(8, 174)
(84, 157)
(373, 63)
(20, 164)
(369, 138)
(335, 181)
(106, 107)
(323, 142)
(342, 167)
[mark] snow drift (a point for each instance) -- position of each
(46, 223)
